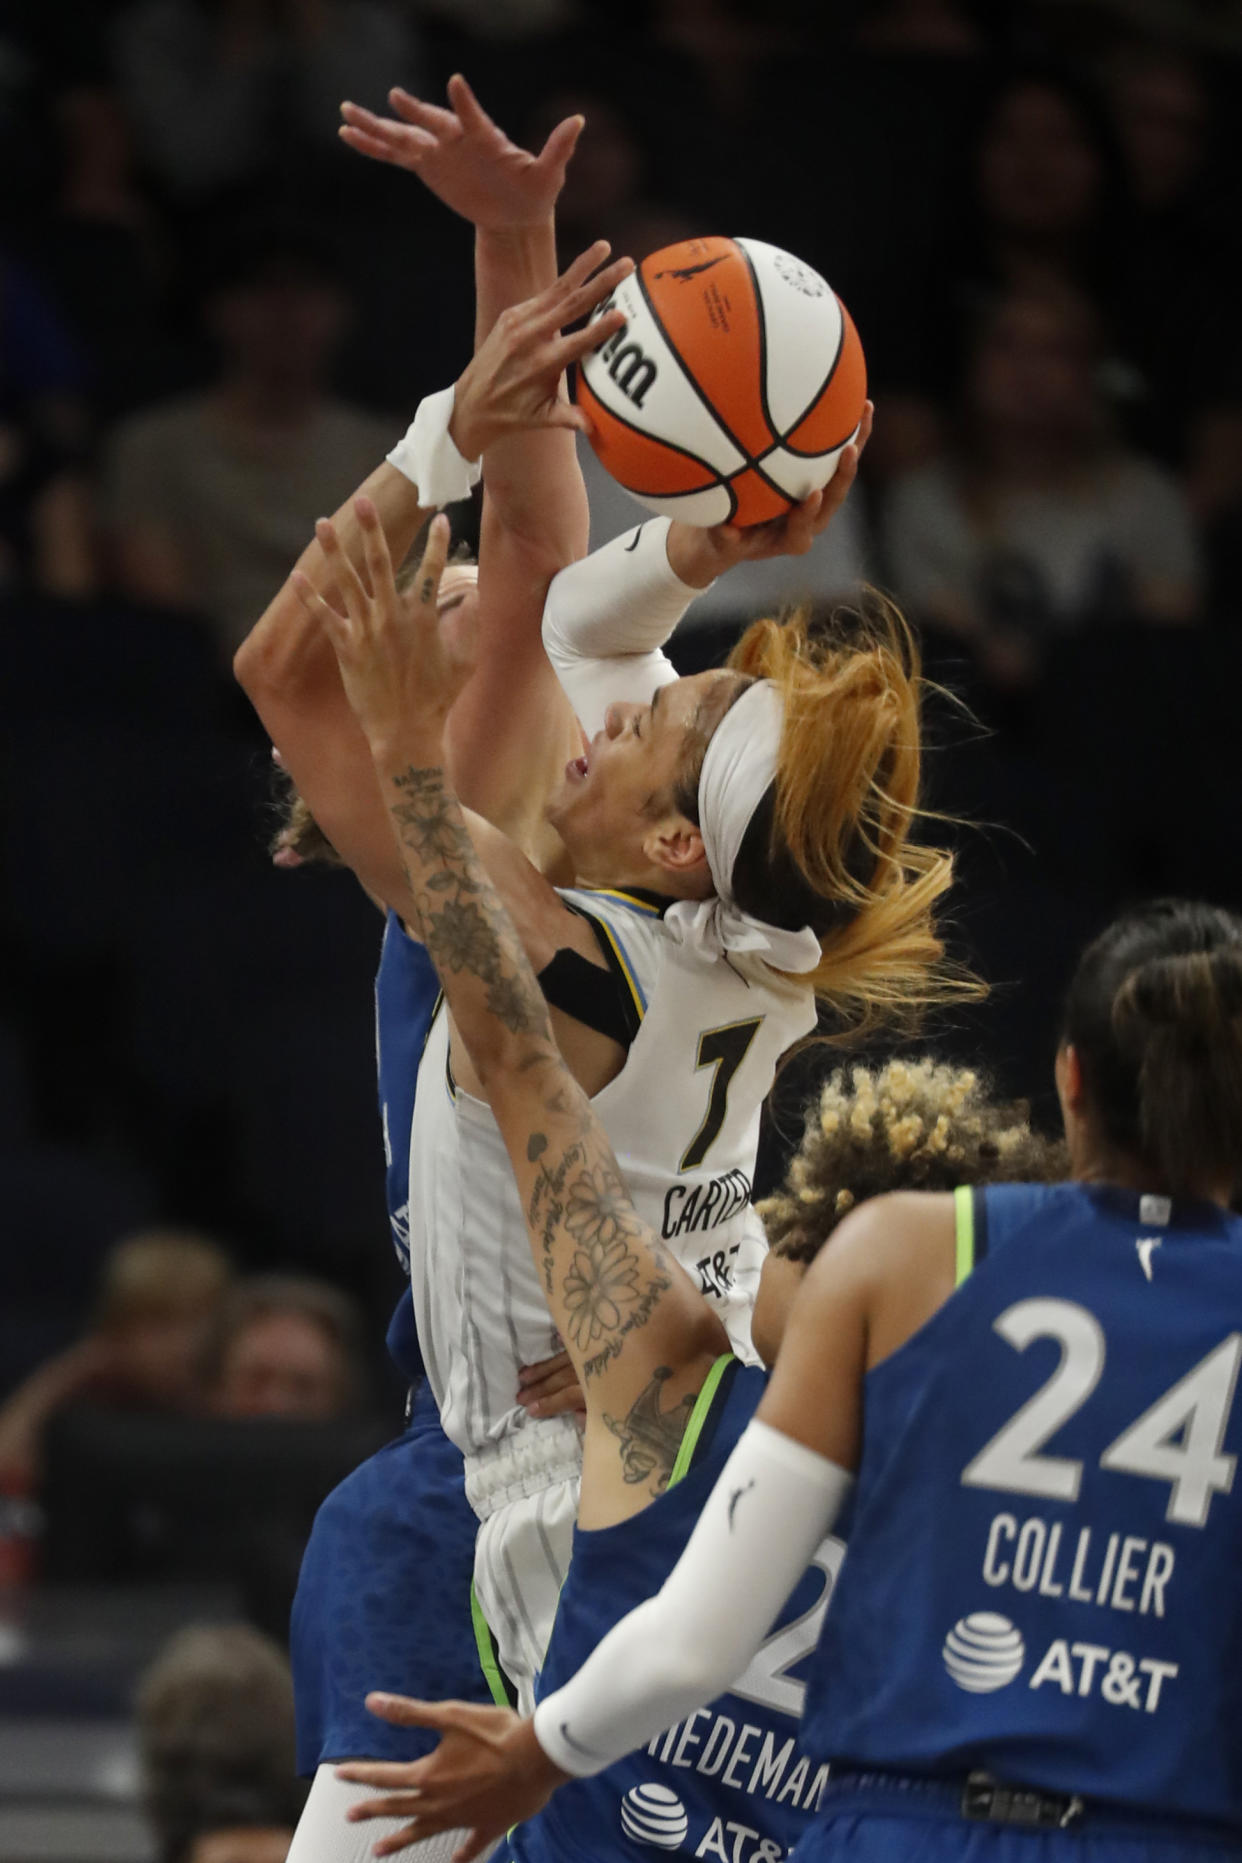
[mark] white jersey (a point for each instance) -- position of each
(683, 1118)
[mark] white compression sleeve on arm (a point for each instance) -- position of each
(773, 1504)
(607, 617)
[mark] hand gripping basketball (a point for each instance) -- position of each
(400, 667)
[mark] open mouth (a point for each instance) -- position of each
(576, 769)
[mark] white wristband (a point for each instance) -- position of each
(428, 457)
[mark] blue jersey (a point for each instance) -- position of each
(406, 993)
(1046, 1539)
(384, 1594)
(730, 1781)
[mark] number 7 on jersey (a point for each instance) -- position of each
(724, 1050)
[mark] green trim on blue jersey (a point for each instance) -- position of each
(964, 1216)
(698, 1417)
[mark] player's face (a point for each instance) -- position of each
(613, 801)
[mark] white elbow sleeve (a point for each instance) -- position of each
(607, 617)
(773, 1504)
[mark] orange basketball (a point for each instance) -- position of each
(732, 387)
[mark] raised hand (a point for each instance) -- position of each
(401, 670)
(464, 158)
(488, 1773)
(513, 380)
(699, 555)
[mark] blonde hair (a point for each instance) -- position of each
(910, 1125)
(161, 1274)
(299, 840)
(833, 843)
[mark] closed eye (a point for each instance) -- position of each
(450, 602)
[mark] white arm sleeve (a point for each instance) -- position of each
(607, 617)
(773, 1504)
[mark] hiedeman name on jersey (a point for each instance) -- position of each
(753, 1760)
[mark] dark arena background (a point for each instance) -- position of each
(1028, 209)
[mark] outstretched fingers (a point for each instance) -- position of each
(335, 624)
(381, 138)
(375, 555)
(425, 591)
(557, 151)
(344, 581)
(424, 116)
(469, 111)
(576, 295)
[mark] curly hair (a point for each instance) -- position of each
(298, 841)
(910, 1125)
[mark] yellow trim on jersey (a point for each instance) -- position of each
(627, 969)
(964, 1218)
(624, 899)
(489, 1662)
(698, 1417)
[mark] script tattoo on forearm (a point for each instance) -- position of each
(460, 917)
(650, 1437)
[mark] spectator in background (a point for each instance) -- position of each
(607, 186)
(159, 1297)
(1043, 197)
(1036, 521)
(211, 496)
(229, 91)
(101, 249)
(46, 541)
(1182, 309)
(216, 1736)
(287, 1346)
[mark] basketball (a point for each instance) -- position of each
(729, 392)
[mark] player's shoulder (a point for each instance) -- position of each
(883, 1237)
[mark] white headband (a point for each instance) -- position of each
(739, 766)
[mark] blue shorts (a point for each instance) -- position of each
(383, 1599)
(920, 1822)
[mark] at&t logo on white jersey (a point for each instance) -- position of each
(653, 1814)
(983, 1652)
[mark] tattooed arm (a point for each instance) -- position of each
(640, 1335)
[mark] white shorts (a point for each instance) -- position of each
(525, 1492)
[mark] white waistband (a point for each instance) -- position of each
(523, 1462)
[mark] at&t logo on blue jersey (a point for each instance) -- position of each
(653, 1814)
(983, 1652)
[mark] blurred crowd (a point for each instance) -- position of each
(215, 319)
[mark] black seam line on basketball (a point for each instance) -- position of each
(820, 452)
(763, 346)
(672, 497)
(798, 451)
(748, 459)
(715, 477)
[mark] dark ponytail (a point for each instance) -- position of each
(1155, 1014)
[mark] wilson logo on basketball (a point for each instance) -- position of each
(629, 367)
